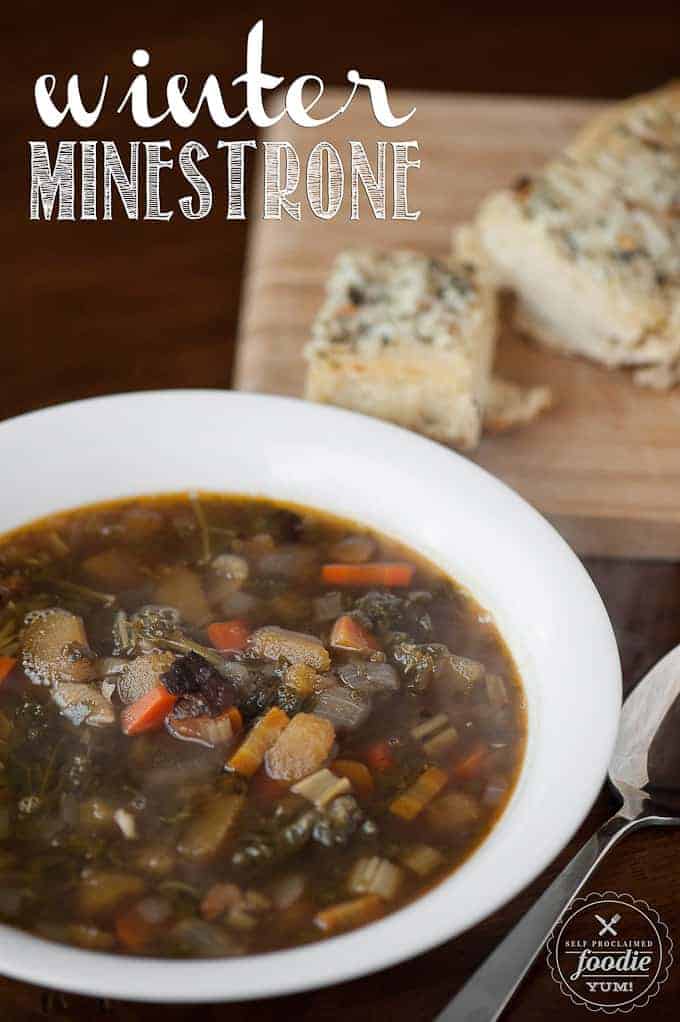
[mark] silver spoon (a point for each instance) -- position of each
(645, 775)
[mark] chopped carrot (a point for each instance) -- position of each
(132, 930)
(229, 635)
(356, 772)
(236, 719)
(250, 753)
(468, 767)
(147, 713)
(379, 757)
(374, 573)
(348, 914)
(7, 665)
(422, 791)
(347, 633)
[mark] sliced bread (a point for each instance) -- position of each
(406, 338)
(591, 244)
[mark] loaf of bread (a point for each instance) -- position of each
(406, 338)
(591, 244)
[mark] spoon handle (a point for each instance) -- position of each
(489, 989)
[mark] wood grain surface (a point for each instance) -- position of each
(90, 309)
(603, 465)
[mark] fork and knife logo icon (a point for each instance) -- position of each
(613, 961)
(608, 927)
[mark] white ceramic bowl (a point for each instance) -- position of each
(467, 522)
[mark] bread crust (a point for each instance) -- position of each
(408, 339)
(591, 244)
(509, 405)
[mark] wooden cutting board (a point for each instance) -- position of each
(604, 465)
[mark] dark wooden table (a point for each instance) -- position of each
(93, 308)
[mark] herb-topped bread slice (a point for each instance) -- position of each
(591, 244)
(405, 338)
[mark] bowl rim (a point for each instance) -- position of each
(380, 944)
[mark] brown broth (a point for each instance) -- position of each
(69, 790)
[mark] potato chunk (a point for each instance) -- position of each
(141, 524)
(55, 648)
(114, 569)
(453, 813)
(181, 588)
(101, 891)
(199, 939)
(301, 749)
(211, 828)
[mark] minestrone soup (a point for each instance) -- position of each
(229, 726)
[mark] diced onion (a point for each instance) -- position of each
(290, 562)
(231, 567)
(107, 689)
(127, 823)
(110, 665)
(429, 726)
(369, 677)
(345, 710)
(321, 787)
(328, 607)
(356, 549)
(496, 691)
(154, 910)
(288, 890)
(422, 859)
(495, 792)
(375, 876)
(204, 730)
(237, 603)
(202, 939)
(441, 743)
